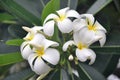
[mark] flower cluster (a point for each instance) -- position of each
(41, 51)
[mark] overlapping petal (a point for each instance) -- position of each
(67, 44)
(25, 50)
(63, 11)
(47, 43)
(72, 13)
(89, 18)
(78, 24)
(52, 56)
(38, 38)
(65, 26)
(49, 28)
(86, 37)
(99, 27)
(86, 54)
(39, 66)
(103, 39)
(50, 16)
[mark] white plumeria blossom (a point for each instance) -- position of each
(41, 53)
(83, 52)
(25, 47)
(61, 19)
(88, 27)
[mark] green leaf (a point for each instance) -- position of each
(117, 4)
(89, 73)
(14, 42)
(10, 58)
(112, 49)
(22, 75)
(50, 7)
(53, 75)
(72, 4)
(64, 74)
(98, 5)
(69, 3)
(21, 12)
(109, 61)
(7, 18)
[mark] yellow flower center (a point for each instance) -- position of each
(30, 38)
(81, 46)
(91, 28)
(61, 18)
(40, 51)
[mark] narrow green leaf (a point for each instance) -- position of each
(50, 7)
(14, 42)
(69, 3)
(113, 49)
(87, 72)
(98, 5)
(111, 65)
(6, 18)
(13, 7)
(83, 73)
(109, 62)
(54, 75)
(72, 4)
(22, 75)
(64, 75)
(117, 4)
(10, 58)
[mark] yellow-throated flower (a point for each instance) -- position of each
(42, 55)
(61, 18)
(89, 28)
(25, 47)
(83, 52)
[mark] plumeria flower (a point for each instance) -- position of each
(42, 54)
(83, 52)
(88, 27)
(25, 47)
(61, 19)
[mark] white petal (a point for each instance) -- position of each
(65, 26)
(103, 39)
(92, 57)
(50, 16)
(52, 56)
(99, 27)
(23, 45)
(31, 58)
(26, 28)
(40, 67)
(47, 43)
(78, 24)
(89, 17)
(86, 37)
(67, 44)
(49, 28)
(85, 54)
(72, 13)
(28, 36)
(62, 11)
(25, 51)
(38, 38)
(36, 28)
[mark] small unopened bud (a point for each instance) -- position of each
(70, 57)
